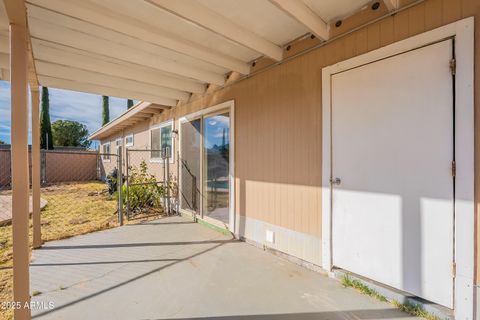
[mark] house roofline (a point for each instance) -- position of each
(128, 118)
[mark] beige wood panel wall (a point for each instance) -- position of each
(278, 117)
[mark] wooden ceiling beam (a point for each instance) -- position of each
(71, 23)
(147, 113)
(95, 78)
(16, 13)
(156, 106)
(391, 4)
(103, 90)
(62, 35)
(129, 25)
(304, 15)
(51, 52)
(154, 111)
(204, 17)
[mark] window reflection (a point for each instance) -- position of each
(216, 166)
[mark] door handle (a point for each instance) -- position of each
(335, 181)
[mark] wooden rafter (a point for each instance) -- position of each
(103, 90)
(208, 19)
(51, 52)
(66, 72)
(16, 13)
(128, 25)
(303, 14)
(89, 42)
(391, 4)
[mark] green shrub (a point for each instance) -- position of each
(144, 191)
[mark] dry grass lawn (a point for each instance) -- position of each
(72, 209)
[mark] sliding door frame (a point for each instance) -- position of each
(180, 157)
(225, 107)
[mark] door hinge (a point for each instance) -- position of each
(454, 269)
(453, 66)
(454, 168)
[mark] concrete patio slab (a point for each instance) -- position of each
(6, 208)
(175, 269)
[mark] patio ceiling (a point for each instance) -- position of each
(162, 51)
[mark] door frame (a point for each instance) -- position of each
(228, 106)
(463, 33)
(182, 120)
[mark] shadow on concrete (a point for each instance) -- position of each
(158, 223)
(131, 245)
(99, 262)
(326, 315)
(93, 295)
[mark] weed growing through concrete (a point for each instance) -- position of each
(413, 309)
(36, 293)
(349, 282)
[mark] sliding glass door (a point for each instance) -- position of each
(216, 164)
(205, 162)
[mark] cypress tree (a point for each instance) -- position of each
(46, 138)
(129, 103)
(105, 111)
(223, 139)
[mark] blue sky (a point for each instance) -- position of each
(65, 105)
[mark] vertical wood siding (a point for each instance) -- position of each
(278, 117)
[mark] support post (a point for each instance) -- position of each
(167, 169)
(43, 165)
(164, 182)
(120, 185)
(99, 174)
(20, 180)
(177, 208)
(127, 168)
(37, 232)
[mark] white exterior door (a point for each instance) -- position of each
(392, 149)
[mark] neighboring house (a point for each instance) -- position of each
(140, 133)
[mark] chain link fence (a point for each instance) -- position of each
(5, 185)
(63, 174)
(77, 191)
(150, 186)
